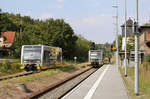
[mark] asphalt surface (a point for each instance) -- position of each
(106, 83)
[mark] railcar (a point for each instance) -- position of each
(107, 60)
(39, 57)
(96, 58)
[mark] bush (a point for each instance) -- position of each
(15, 67)
(145, 65)
(7, 67)
(147, 58)
(146, 62)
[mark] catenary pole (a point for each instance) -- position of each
(136, 87)
(125, 32)
(117, 51)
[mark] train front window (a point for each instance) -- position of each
(95, 56)
(32, 53)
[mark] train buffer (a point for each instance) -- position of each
(105, 83)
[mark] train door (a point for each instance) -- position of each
(46, 60)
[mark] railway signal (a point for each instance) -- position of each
(92, 46)
(113, 49)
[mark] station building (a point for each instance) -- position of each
(129, 26)
(144, 42)
(144, 39)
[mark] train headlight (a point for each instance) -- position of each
(38, 61)
(100, 63)
(89, 63)
(22, 67)
(25, 61)
(38, 68)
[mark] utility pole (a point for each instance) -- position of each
(117, 54)
(125, 32)
(136, 87)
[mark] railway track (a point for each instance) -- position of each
(59, 89)
(16, 75)
(19, 75)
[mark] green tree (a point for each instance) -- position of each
(82, 48)
(6, 24)
(50, 32)
(119, 42)
(130, 43)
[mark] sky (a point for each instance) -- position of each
(90, 18)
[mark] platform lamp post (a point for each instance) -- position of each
(117, 54)
(125, 32)
(136, 78)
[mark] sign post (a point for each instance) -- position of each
(75, 59)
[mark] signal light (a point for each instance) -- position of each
(113, 49)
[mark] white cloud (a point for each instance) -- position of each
(98, 28)
(57, 7)
(46, 16)
(28, 13)
(60, 1)
(145, 0)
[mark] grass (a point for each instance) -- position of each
(67, 68)
(7, 57)
(2, 74)
(9, 68)
(144, 82)
(39, 76)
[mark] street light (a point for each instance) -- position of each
(114, 6)
(125, 32)
(136, 81)
(117, 56)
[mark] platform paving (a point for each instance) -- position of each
(105, 83)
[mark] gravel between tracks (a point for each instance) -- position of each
(65, 87)
(10, 89)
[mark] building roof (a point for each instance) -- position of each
(145, 26)
(129, 23)
(8, 36)
(142, 28)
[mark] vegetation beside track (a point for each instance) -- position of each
(9, 68)
(144, 81)
(41, 75)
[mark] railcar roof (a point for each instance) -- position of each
(94, 50)
(43, 45)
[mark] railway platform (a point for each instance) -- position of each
(105, 83)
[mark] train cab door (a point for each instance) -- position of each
(46, 60)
